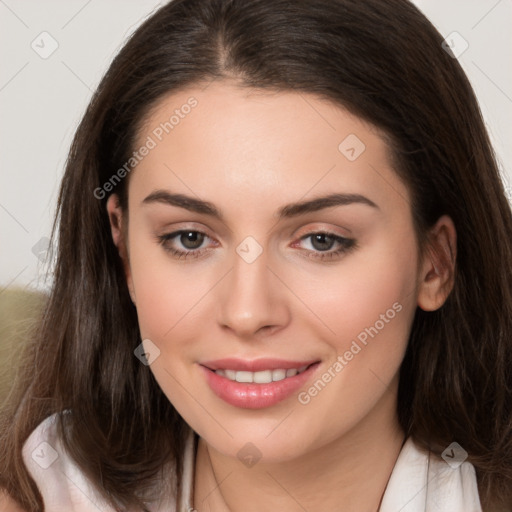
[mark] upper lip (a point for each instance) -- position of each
(255, 365)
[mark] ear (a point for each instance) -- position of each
(119, 232)
(437, 272)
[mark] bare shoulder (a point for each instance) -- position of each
(7, 504)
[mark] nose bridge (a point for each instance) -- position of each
(250, 297)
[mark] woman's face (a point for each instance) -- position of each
(268, 235)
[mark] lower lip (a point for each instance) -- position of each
(256, 396)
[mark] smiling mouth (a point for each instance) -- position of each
(259, 383)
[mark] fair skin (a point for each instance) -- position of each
(249, 153)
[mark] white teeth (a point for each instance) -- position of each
(278, 375)
(230, 374)
(261, 377)
(244, 376)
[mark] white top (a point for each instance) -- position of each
(419, 482)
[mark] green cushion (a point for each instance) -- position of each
(20, 310)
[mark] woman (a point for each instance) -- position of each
(274, 286)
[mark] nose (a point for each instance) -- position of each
(252, 300)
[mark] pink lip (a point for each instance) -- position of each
(255, 396)
(255, 365)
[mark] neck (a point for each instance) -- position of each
(351, 471)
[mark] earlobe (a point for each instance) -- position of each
(437, 273)
(118, 231)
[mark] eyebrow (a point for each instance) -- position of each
(288, 211)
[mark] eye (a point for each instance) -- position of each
(322, 242)
(186, 243)
(189, 239)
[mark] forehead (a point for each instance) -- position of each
(226, 141)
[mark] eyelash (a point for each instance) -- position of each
(347, 244)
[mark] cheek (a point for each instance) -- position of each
(171, 296)
(372, 290)
(164, 295)
(171, 314)
(370, 307)
(155, 289)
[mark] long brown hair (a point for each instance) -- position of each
(383, 61)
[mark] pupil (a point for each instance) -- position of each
(319, 242)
